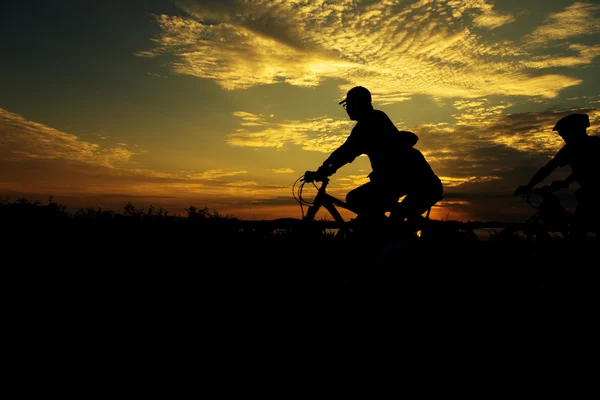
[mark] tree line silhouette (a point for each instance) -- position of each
(24, 208)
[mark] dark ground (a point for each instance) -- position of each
(104, 293)
(114, 297)
(133, 262)
(143, 256)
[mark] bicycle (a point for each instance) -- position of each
(349, 255)
(340, 229)
(344, 229)
(550, 221)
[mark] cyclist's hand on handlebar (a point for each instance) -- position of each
(523, 190)
(312, 176)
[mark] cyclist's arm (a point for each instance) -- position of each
(557, 185)
(570, 179)
(539, 176)
(343, 155)
(543, 173)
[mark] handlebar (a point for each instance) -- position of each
(308, 177)
(547, 194)
(542, 190)
(314, 176)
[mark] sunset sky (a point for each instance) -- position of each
(225, 103)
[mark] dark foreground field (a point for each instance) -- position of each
(136, 259)
(230, 255)
(117, 291)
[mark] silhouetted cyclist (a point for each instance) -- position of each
(398, 168)
(582, 153)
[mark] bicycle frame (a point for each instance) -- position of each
(330, 203)
(550, 217)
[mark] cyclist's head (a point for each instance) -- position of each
(357, 102)
(573, 125)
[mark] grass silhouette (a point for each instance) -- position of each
(207, 251)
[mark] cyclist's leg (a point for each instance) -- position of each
(373, 200)
(370, 201)
(407, 215)
(360, 197)
(416, 203)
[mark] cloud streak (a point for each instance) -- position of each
(38, 159)
(24, 139)
(397, 49)
(322, 134)
(578, 19)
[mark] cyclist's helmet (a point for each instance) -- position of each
(571, 122)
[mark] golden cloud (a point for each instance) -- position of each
(321, 134)
(576, 20)
(48, 160)
(27, 139)
(395, 49)
(282, 170)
